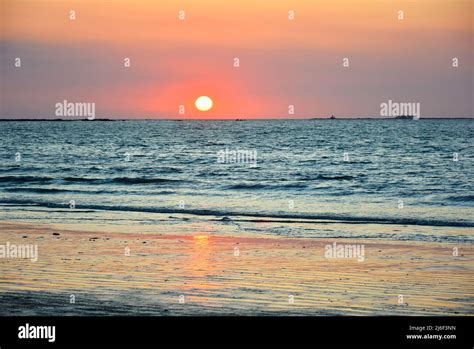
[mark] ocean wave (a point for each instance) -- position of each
(328, 178)
(212, 174)
(461, 198)
(39, 190)
(256, 186)
(135, 180)
(243, 186)
(24, 179)
(121, 180)
(112, 180)
(257, 216)
(17, 168)
(85, 192)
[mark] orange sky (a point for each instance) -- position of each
(282, 62)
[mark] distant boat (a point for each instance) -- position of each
(90, 120)
(405, 117)
(332, 117)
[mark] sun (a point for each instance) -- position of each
(203, 103)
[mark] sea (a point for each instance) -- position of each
(389, 172)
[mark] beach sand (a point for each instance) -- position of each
(217, 271)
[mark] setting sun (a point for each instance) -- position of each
(203, 103)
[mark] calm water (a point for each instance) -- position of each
(391, 171)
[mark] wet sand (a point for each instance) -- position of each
(210, 270)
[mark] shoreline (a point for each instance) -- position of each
(202, 265)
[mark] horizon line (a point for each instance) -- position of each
(234, 119)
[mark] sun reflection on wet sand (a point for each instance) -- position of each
(198, 264)
(201, 265)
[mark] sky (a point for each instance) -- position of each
(283, 60)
